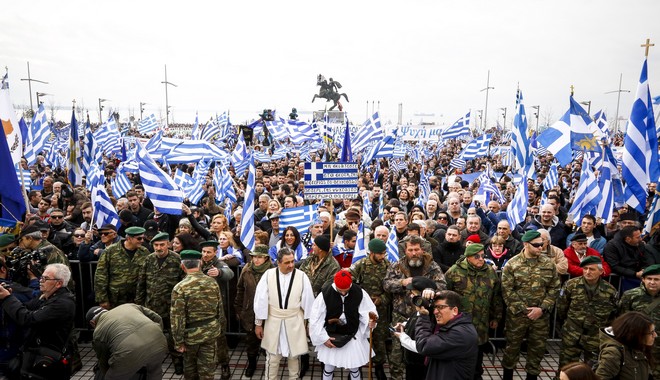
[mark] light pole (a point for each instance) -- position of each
(142, 109)
(40, 94)
(536, 115)
(30, 80)
(504, 114)
(618, 99)
(167, 105)
(588, 104)
(101, 100)
(481, 119)
(487, 89)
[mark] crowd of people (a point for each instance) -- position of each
(171, 284)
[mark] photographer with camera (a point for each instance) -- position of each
(448, 338)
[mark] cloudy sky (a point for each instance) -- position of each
(243, 56)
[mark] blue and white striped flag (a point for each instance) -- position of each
(108, 137)
(392, 245)
(38, 134)
(519, 141)
(457, 163)
(371, 130)
(277, 129)
(195, 135)
(298, 217)
(606, 185)
(383, 149)
(247, 219)
(460, 128)
(223, 183)
(601, 122)
(360, 251)
(366, 202)
(654, 213)
(551, 180)
(587, 195)
(381, 204)
(239, 157)
(104, 210)
(476, 148)
(23, 177)
(301, 132)
(399, 150)
(640, 147)
(148, 125)
(159, 187)
(261, 156)
(398, 166)
(211, 130)
(424, 187)
(518, 207)
(74, 171)
(121, 184)
(181, 178)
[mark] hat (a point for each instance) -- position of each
(275, 215)
(28, 230)
(474, 238)
(530, 235)
(352, 215)
(161, 236)
(41, 225)
(150, 225)
(343, 279)
(473, 249)
(6, 239)
(106, 227)
(322, 242)
(377, 246)
(260, 250)
(651, 269)
(579, 236)
(590, 260)
(94, 312)
(420, 283)
(628, 216)
(135, 231)
(190, 254)
(210, 243)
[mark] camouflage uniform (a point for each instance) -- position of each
(401, 302)
(196, 316)
(154, 288)
(481, 294)
(319, 272)
(369, 276)
(585, 311)
(224, 274)
(56, 256)
(528, 283)
(638, 299)
(117, 274)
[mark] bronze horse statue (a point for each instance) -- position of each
(329, 92)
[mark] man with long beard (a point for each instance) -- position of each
(415, 263)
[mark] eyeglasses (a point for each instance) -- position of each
(353, 223)
(440, 307)
(106, 233)
(652, 333)
(140, 238)
(57, 216)
(44, 278)
(482, 256)
(78, 235)
(442, 218)
(536, 245)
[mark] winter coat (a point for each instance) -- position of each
(633, 365)
(244, 301)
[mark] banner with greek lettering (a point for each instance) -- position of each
(331, 180)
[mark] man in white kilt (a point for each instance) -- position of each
(282, 302)
(339, 326)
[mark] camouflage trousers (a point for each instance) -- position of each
(576, 341)
(222, 348)
(397, 364)
(199, 360)
(378, 339)
(253, 343)
(519, 327)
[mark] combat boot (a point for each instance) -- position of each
(226, 373)
(507, 374)
(380, 372)
(252, 366)
(531, 377)
(178, 365)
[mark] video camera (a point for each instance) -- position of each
(20, 260)
(420, 301)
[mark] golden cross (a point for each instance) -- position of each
(647, 45)
(572, 90)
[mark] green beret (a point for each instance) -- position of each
(6, 239)
(209, 243)
(161, 236)
(190, 254)
(590, 260)
(135, 231)
(651, 269)
(260, 250)
(377, 246)
(473, 249)
(530, 235)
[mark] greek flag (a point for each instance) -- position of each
(587, 195)
(195, 135)
(399, 150)
(121, 184)
(424, 187)
(261, 156)
(369, 131)
(211, 130)
(301, 132)
(181, 178)
(398, 165)
(23, 177)
(552, 177)
(640, 147)
(360, 251)
(392, 245)
(460, 128)
(104, 211)
(239, 157)
(606, 185)
(366, 203)
(486, 185)
(108, 138)
(298, 217)
(346, 149)
(518, 207)
(277, 129)
(457, 163)
(180, 151)
(91, 151)
(247, 219)
(601, 122)
(476, 148)
(73, 165)
(383, 149)
(223, 183)
(381, 205)
(159, 187)
(147, 125)
(519, 141)
(654, 213)
(38, 134)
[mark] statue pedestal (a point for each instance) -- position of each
(334, 117)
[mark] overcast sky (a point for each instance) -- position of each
(244, 56)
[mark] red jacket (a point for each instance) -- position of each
(574, 268)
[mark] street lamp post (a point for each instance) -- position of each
(536, 115)
(101, 100)
(618, 99)
(40, 94)
(142, 109)
(481, 119)
(504, 114)
(167, 105)
(30, 80)
(487, 89)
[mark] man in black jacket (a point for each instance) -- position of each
(625, 254)
(49, 319)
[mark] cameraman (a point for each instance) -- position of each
(450, 344)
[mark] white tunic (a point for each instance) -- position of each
(356, 352)
(261, 302)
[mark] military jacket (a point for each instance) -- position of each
(587, 310)
(324, 272)
(196, 313)
(529, 283)
(156, 281)
(370, 277)
(639, 299)
(117, 274)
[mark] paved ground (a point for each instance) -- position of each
(238, 362)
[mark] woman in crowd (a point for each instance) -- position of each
(290, 239)
(184, 241)
(78, 238)
(228, 250)
(496, 254)
(577, 371)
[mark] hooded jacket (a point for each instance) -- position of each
(611, 365)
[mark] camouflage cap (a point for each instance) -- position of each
(590, 260)
(651, 269)
(161, 236)
(260, 250)
(190, 254)
(473, 249)
(135, 231)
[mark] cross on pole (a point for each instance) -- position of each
(647, 45)
(572, 90)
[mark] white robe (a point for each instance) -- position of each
(261, 303)
(356, 352)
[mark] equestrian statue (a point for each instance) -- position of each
(330, 92)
